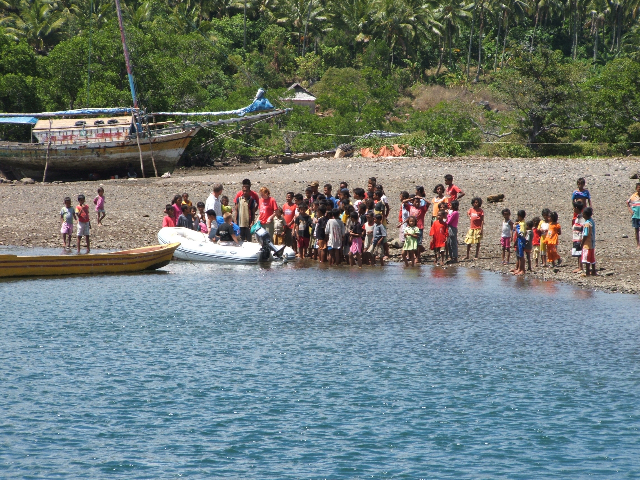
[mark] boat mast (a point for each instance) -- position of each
(126, 56)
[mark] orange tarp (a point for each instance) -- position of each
(395, 151)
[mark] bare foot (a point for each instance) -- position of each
(577, 270)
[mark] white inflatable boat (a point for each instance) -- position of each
(197, 247)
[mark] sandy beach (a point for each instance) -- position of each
(135, 207)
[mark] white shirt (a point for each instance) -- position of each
(213, 203)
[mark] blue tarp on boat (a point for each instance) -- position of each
(19, 120)
(259, 103)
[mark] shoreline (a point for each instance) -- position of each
(134, 207)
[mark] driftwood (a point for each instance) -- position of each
(495, 198)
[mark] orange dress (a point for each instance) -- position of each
(552, 242)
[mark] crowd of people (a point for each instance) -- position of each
(351, 226)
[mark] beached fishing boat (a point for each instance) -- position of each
(138, 259)
(103, 143)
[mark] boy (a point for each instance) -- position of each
(321, 236)
(185, 220)
(303, 222)
(67, 215)
(289, 214)
(451, 192)
(634, 208)
(452, 238)
(327, 193)
(529, 243)
(439, 232)
(520, 242)
(581, 193)
(99, 203)
(589, 242)
(505, 236)
(334, 231)
(576, 233)
(278, 227)
(82, 214)
(379, 240)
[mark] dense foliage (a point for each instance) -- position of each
(525, 72)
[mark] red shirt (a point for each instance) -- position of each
(536, 236)
(476, 217)
(452, 192)
(83, 213)
(253, 194)
(289, 213)
(419, 213)
(266, 207)
(439, 232)
(167, 221)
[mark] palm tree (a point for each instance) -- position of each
(38, 22)
(452, 15)
(303, 17)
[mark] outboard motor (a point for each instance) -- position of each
(264, 239)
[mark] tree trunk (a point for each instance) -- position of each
(480, 43)
(473, 21)
(504, 43)
(495, 55)
(449, 38)
(594, 26)
(535, 26)
(440, 59)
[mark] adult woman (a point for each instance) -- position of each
(267, 207)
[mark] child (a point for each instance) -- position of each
(552, 239)
(99, 203)
(438, 201)
(67, 215)
(177, 206)
(576, 233)
(202, 215)
(438, 234)
(543, 227)
(368, 238)
(289, 214)
(403, 215)
(334, 233)
(185, 220)
(185, 200)
(536, 239)
(581, 193)
(505, 235)
(410, 247)
(476, 218)
(226, 208)
(303, 222)
(321, 226)
(225, 230)
(452, 192)
(529, 243)
(520, 242)
(452, 237)
(195, 219)
(379, 207)
(278, 227)
(634, 208)
(379, 240)
(589, 242)
(169, 219)
(355, 232)
(82, 213)
(358, 197)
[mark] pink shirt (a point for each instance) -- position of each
(419, 213)
(167, 221)
(99, 201)
(266, 207)
(452, 219)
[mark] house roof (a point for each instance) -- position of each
(298, 92)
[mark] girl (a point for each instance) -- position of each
(403, 215)
(368, 237)
(169, 219)
(410, 247)
(67, 214)
(552, 239)
(452, 238)
(476, 218)
(543, 227)
(581, 194)
(355, 232)
(505, 235)
(177, 207)
(99, 203)
(438, 200)
(438, 234)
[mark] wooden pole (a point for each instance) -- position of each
(135, 125)
(153, 160)
(46, 161)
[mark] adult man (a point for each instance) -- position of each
(214, 203)
(246, 185)
(246, 208)
(314, 190)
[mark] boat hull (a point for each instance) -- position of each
(138, 259)
(196, 247)
(103, 159)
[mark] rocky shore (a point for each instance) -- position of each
(134, 207)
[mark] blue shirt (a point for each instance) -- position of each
(581, 195)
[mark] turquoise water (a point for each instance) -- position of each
(289, 372)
